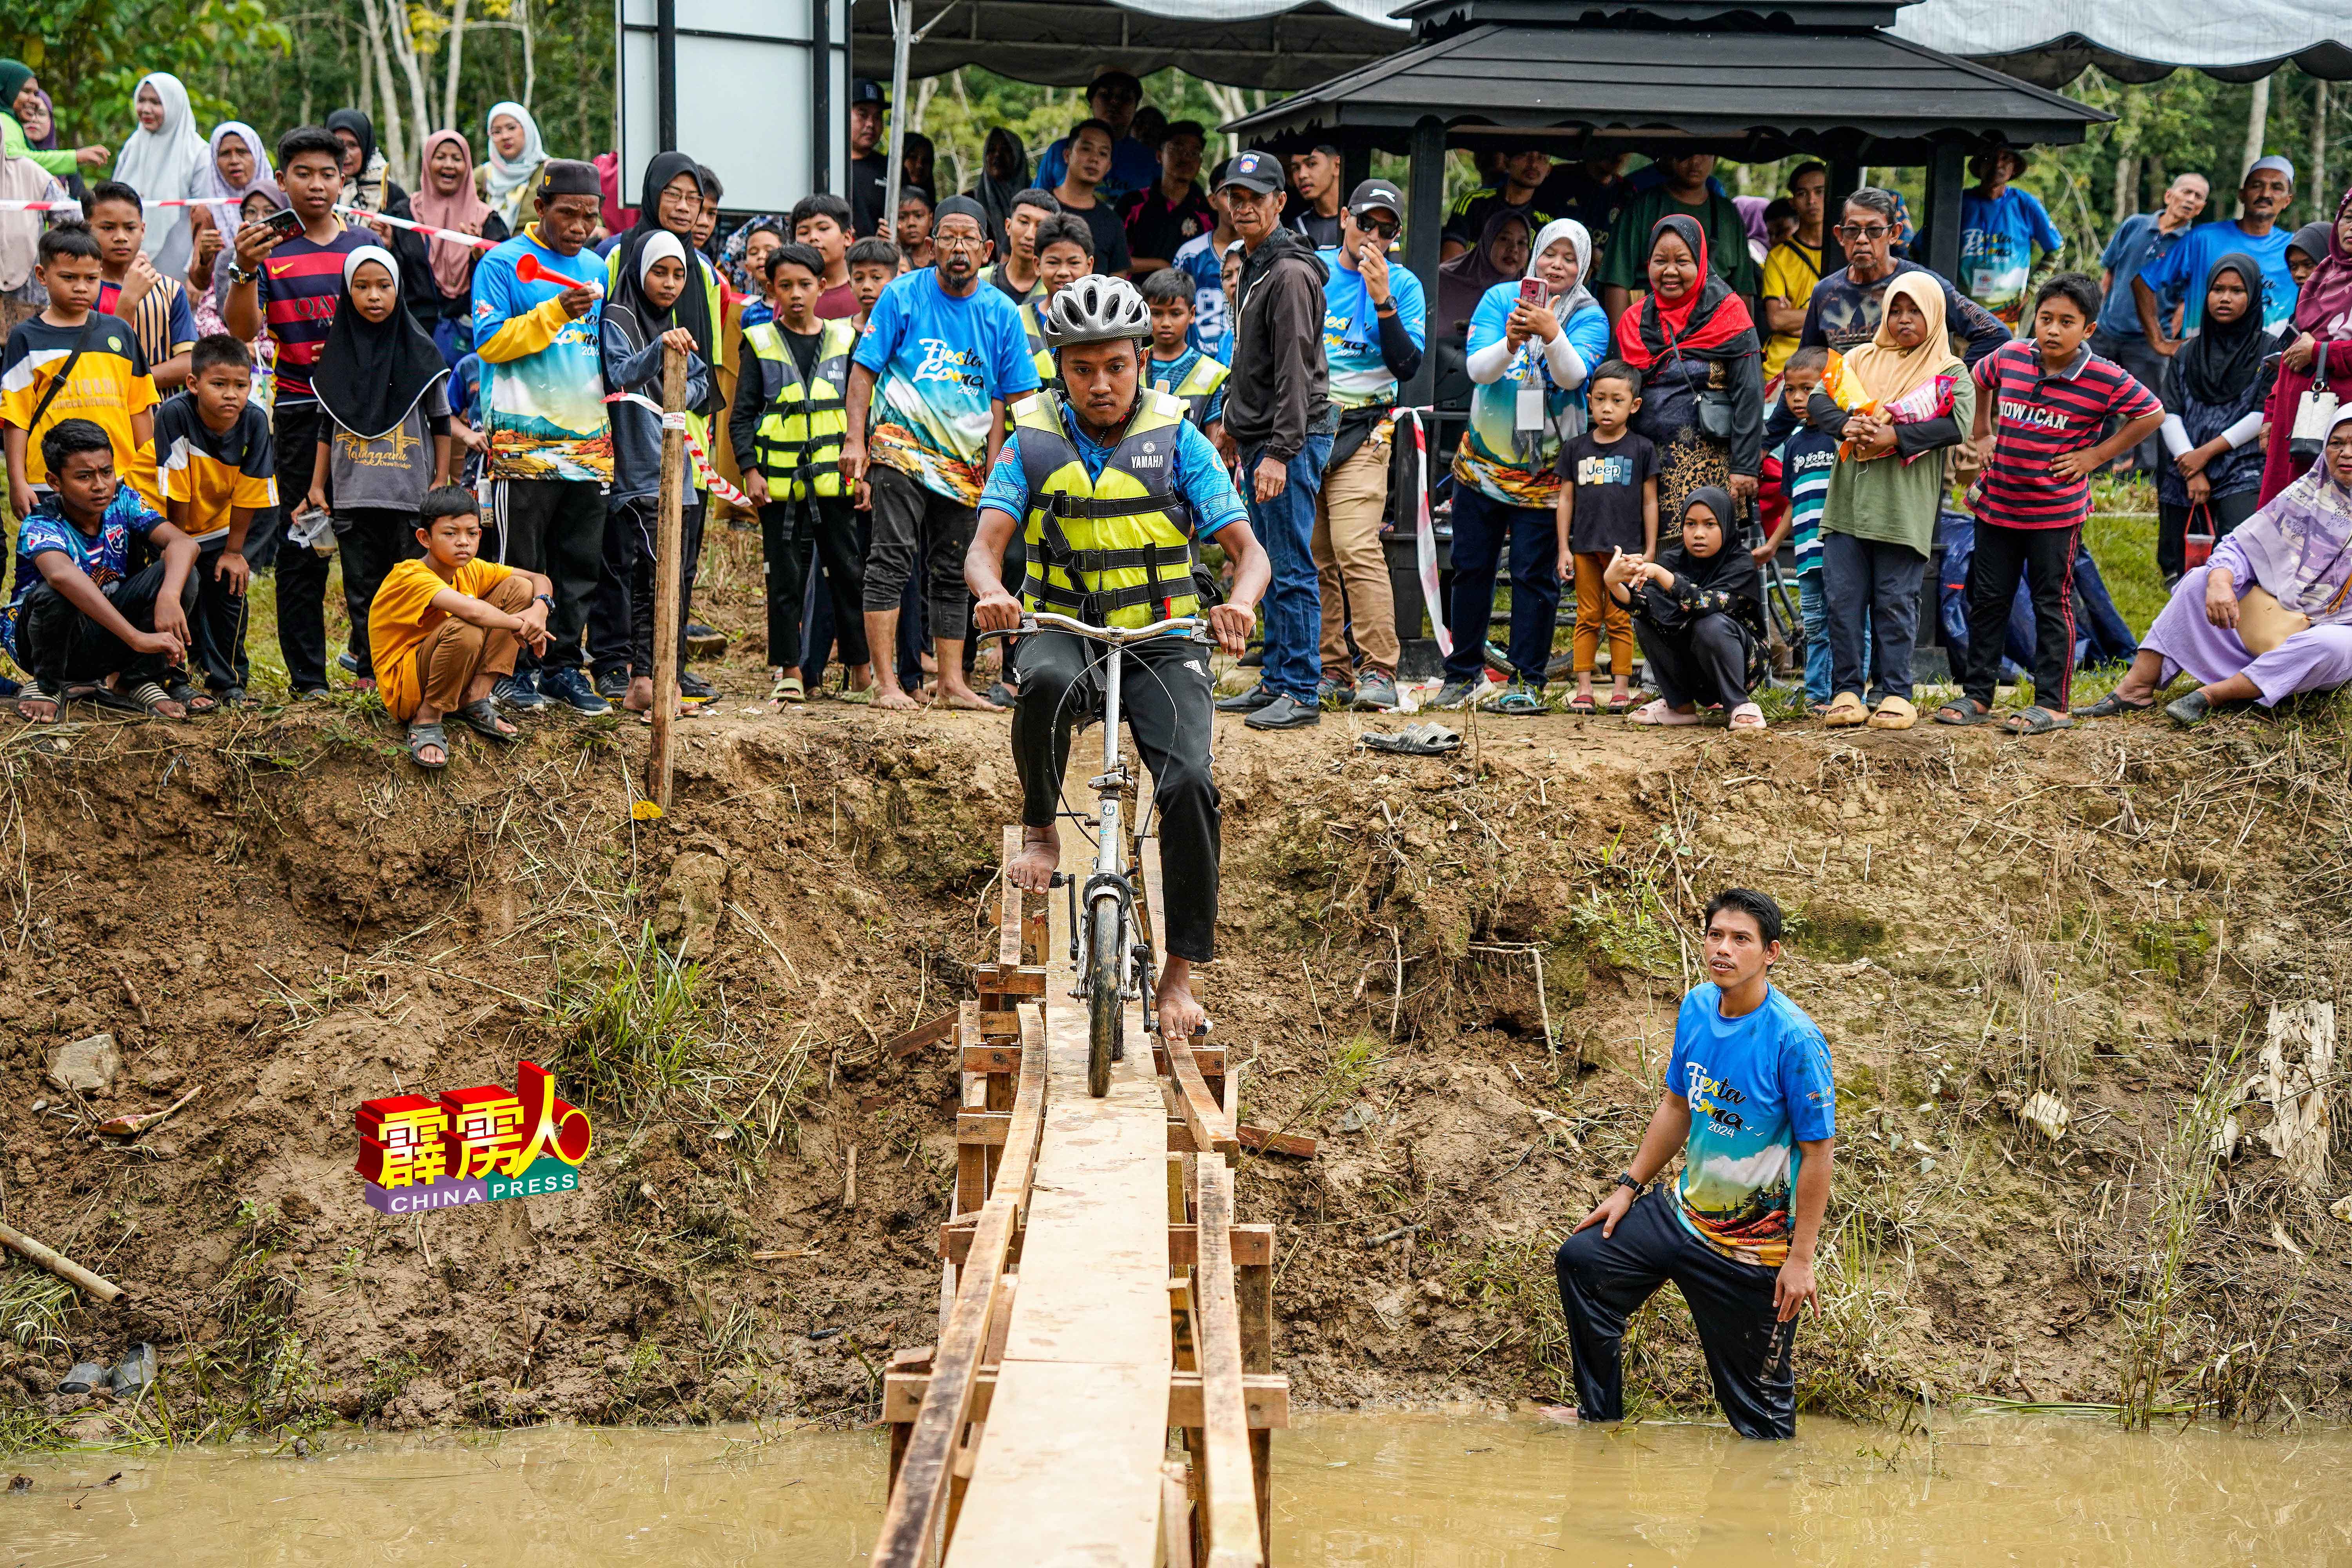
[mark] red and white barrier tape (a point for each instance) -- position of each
(475, 240)
(702, 463)
(64, 207)
(1424, 532)
(75, 208)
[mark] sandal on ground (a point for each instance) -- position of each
(2113, 707)
(1655, 711)
(1894, 713)
(187, 696)
(482, 719)
(1846, 712)
(1521, 700)
(422, 736)
(1001, 695)
(1963, 710)
(1582, 705)
(1621, 704)
(2189, 710)
(104, 697)
(2035, 720)
(1748, 716)
(31, 697)
(788, 689)
(156, 702)
(1429, 740)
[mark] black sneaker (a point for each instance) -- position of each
(697, 630)
(519, 692)
(1335, 694)
(1284, 712)
(1249, 701)
(571, 688)
(349, 663)
(612, 684)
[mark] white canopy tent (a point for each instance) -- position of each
(2051, 42)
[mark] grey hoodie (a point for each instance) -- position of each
(1280, 390)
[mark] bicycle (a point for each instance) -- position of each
(1111, 949)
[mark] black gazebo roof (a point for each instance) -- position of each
(1816, 77)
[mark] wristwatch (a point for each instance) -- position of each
(547, 599)
(1626, 1179)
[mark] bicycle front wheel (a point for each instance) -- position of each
(1106, 1011)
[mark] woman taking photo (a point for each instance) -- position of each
(1701, 376)
(1896, 402)
(2215, 389)
(1530, 349)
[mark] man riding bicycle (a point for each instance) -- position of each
(1110, 486)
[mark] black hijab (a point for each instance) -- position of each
(371, 373)
(692, 311)
(2221, 360)
(1730, 569)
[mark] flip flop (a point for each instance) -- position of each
(1583, 707)
(789, 689)
(422, 736)
(152, 699)
(1894, 713)
(482, 719)
(32, 693)
(1621, 704)
(1845, 711)
(1962, 710)
(1431, 740)
(2113, 707)
(2035, 720)
(186, 695)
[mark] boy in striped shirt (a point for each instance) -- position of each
(2043, 401)
(1806, 455)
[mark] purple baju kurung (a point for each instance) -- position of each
(2310, 660)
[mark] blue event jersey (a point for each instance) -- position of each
(1352, 331)
(1757, 1085)
(104, 559)
(546, 402)
(2178, 276)
(1997, 237)
(1201, 477)
(939, 362)
(1197, 260)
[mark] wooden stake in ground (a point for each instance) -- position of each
(667, 574)
(58, 1264)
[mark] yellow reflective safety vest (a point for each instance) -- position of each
(1198, 387)
(1115, 550)
(798, 445)
(1048, 372)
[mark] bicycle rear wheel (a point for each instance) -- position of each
(1106, 1009)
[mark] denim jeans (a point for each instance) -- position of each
(1813, 604)
(1482, 528)
(1294, 605)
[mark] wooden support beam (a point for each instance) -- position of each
(1209, 1060)
(1253, 1245)
(1230, 1488)
(1212, 1130)
(1009, 980)
(1272, 1142)
(922, 1035)
(1265, 1398)
(669, 544)
(991, 1127)
(1000, 1060)
(1008, 905)
(1175, 1516)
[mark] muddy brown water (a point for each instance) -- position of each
(1390, 1488)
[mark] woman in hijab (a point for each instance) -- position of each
(20, 93)
(1499, 257)
(505, 178)
(447, 200)
(2270, 616)
(2215, 387)
(1702, 378)
(1896, 403)
(21, 180)
(1003, 175)
(236, 164)
(384, 390)
(1528, 362)
(164, 162)
(2322, 319)
(917, 160)
(1698, 613)
(369, 186)
(41, 135)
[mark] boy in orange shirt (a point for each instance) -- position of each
(444, 629)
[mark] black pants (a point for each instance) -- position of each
(792, 533)
(1483, 528)
(372, 541)
(59, 645)
(640, 521)
(1703, 661)
(608, 605)
(556, 528)
(2220, 514)
(2045, 557)
(1604, 1279)
(1873, 598)
(1164, 695)
(218, 622)
(301, 572)
(912, 522)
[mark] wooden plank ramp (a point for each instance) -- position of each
(1037, 1430)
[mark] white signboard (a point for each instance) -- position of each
(744, 97)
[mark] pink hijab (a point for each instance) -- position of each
(452, 263)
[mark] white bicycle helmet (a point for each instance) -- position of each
(1095, 309)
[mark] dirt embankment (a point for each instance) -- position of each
(1460, 975)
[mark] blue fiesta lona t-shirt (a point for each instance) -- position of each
(1757, 1085)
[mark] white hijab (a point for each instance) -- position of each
(167, 163)
(1581, 239)
(506, 186)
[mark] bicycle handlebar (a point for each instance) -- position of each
(1047, 620)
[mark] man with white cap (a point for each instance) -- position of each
(2177, 283)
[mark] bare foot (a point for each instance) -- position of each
(971, 701)
(891, 697)
(1032, 870)
(1179, 1015)
(640, 698)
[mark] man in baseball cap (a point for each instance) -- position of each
(1373, 331)
(869, 170)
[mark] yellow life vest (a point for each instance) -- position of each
(1048, 372)
(1198, 388)
(798, 445)
(1114, 550)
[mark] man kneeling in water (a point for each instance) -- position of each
(1109, 487)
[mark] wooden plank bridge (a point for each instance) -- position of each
(1095, 1294)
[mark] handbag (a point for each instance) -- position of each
(1715, 415)
(2315, 413)
(2196, 544)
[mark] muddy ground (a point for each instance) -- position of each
(279, 913)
